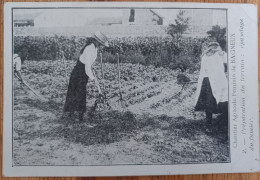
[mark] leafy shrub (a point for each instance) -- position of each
(218, 34)
(182, 78)
(184, 63)
(181, 25)
(131, 56)
(108, 57)
(153, 59)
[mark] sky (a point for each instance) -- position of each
(77, 17)
(80, 17)
(69, 17)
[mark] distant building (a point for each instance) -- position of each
(131, 17)
(61, 18)
(141, 17)
(106, 21)
(24, 20)
(23, 23)
(120, 22)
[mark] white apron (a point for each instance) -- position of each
(213, 68)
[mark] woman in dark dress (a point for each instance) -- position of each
(81, 74)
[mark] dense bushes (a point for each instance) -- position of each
(158, 51)
(219, 34)
(48, 48)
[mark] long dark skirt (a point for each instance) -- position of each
(207, 101)
(76, 95)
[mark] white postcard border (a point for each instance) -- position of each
(239, 162)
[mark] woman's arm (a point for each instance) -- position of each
(225, 61)
(225, 67)
(89, 72)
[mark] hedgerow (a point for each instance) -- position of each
(158, 51)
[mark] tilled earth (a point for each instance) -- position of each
(155, 124)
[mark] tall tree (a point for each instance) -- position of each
(181, 25)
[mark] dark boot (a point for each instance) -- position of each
(209, 117)
(70, 114)
(67, 116)
(209, 121)
(81, 116)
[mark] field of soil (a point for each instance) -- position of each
(153, 122)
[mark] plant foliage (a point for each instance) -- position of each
(181, 25)
(218, 34)
(158, 51)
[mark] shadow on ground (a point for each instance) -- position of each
(112, 126)
(107, 127)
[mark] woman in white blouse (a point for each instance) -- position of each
(82, 72)
(212, 89)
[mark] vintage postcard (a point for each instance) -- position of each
(120, 89)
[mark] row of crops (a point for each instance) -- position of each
(143, 88)
(158, 51)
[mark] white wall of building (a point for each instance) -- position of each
(72, 17)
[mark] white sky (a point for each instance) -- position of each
(92, 12)
(69, 17)
(79, 17)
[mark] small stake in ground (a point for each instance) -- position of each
(119, 81)
(65, 68)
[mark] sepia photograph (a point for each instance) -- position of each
(119, 86)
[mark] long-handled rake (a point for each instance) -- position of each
(31, 89)
(101, 100)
